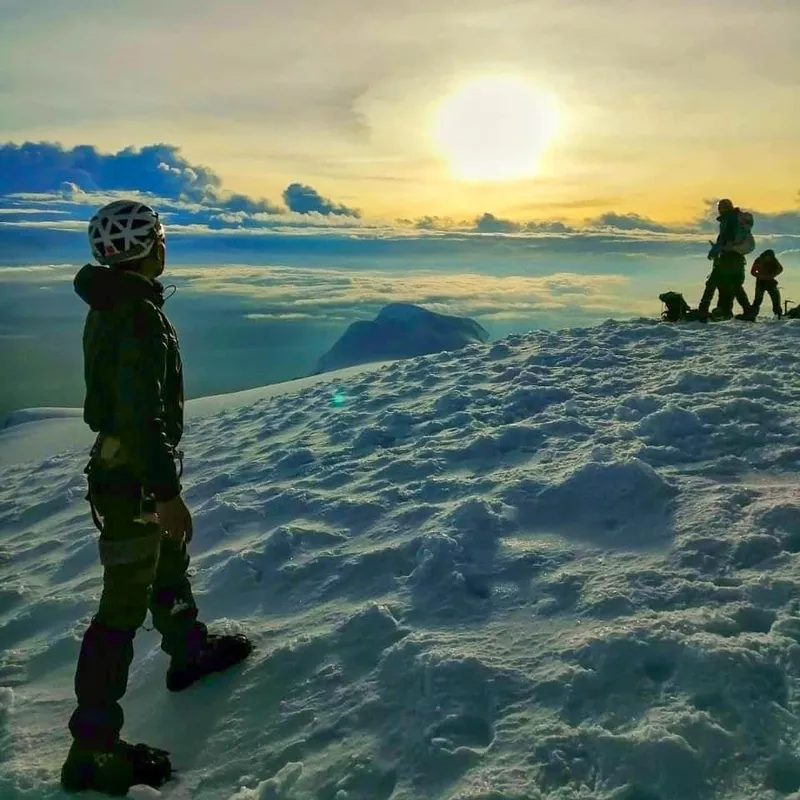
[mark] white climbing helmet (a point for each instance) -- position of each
(124, 230)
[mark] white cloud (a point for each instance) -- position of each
(34, 273)
(288, 293)
(27, 211)
(51, 224)
(288, 315)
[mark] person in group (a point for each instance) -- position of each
(735, 240)
(134, 402)
(765, 270)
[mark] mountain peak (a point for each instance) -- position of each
(401, 330)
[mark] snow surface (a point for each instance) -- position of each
(559, 566)
(62, 429)
(401, 330)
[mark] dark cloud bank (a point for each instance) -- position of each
(41, 178)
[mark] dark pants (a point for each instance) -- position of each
(727, 277)
(141, 570)
(769, 285)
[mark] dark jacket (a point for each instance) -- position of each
(133, 372)
(766, 268)
(728, 228)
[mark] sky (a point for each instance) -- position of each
(528, 164)
(657, 107)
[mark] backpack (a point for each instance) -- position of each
(676, 306)
(744, 243)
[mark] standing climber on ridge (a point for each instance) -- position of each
(733, 243)
(134, 402)
(765, 270)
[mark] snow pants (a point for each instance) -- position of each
(727, 276)
(141, 570)
(770, 286)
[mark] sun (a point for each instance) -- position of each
(494, 128)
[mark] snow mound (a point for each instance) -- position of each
(401, 330)
(604, 500)
(559, 567)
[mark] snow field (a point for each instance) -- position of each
(559, 566)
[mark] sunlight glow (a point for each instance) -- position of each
(494, 128)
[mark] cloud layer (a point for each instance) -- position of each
(157, 170)
(321, 294)
(328, 294)
(43, 185)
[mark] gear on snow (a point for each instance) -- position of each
(676, 307)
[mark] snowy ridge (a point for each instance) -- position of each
(26, 415)
(560, 566)
(55, 430)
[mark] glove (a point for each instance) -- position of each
(175, 519)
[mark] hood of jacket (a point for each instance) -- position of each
(104, 288)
